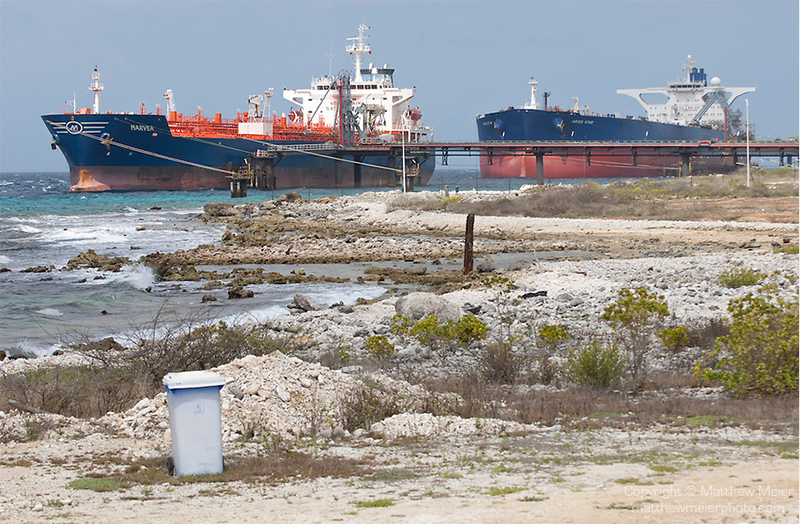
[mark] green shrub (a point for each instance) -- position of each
(379, 346)
(501, 283)
(553, 333)
(760, 355)
(500, 364)
(596, 365)
(636, 316)
(789, 249)
(738, 277)
(674, 338)
(401, 324)
(365, 405)
(469, 328)
(428, 330)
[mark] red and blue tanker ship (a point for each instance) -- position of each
(172, 151)
(695, 110)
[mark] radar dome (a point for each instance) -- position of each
(716, 81)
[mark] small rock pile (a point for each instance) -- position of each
(273, 395)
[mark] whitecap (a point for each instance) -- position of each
(28, 229)
(83, 234)
(259, 314)
(50, 312)
(141, 277)
(346, 293)
(4, 259)
(36, 349)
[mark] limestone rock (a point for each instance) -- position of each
(240, 292)
(220, 209)
(416, 306)
(302, 303)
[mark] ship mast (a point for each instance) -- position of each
(532, 104)
(358, 48)
(688, 68)
(96, 87)
(170, 102)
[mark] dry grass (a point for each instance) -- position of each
(664, 401)
(119, 472)
(116, 377)
(693, 198)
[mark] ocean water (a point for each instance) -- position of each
(43, 224)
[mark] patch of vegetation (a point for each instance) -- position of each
(100, 484)
(596, 365)
(429, 330)
(377, 503)
(366, 405)
(788, 249)
(760, 355)
(636, 315)
(553, 333)
(392, 475)
(628, 480)
(378, 346)
(662, 468)
(499, 492)
(667, 199)
(738, 277)
(270, 468)
(674, 339)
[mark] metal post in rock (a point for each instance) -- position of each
(468, 237)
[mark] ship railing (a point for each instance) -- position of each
(592, 142)
(273, 148)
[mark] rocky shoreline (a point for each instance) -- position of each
(436, 468)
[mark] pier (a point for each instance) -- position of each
(263, 161)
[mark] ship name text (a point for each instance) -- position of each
(588, 122)
(142, 127)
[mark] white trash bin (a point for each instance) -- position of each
(195, 421)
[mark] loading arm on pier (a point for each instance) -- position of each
(710, 98)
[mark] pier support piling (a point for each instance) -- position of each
(337, 172)
(239, 187)
(540, 169)
(357, 171)
(684, 164)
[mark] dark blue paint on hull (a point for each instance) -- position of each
(536, 124)
(539, 125)
(138, 152)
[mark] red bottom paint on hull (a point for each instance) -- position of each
(103, 178)
(575, 167)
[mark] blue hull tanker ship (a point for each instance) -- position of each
(172, 151)
(695, 110)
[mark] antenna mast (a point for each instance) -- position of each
(96, 87)
(330, 61)
(358, 48)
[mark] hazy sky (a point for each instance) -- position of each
(464, 58)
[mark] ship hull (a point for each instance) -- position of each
(516, 125)
(621, 166)
(122, 152)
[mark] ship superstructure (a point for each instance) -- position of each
(694, 102)
(382, 111)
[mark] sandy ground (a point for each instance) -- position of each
(670, 473)
(651, 476)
